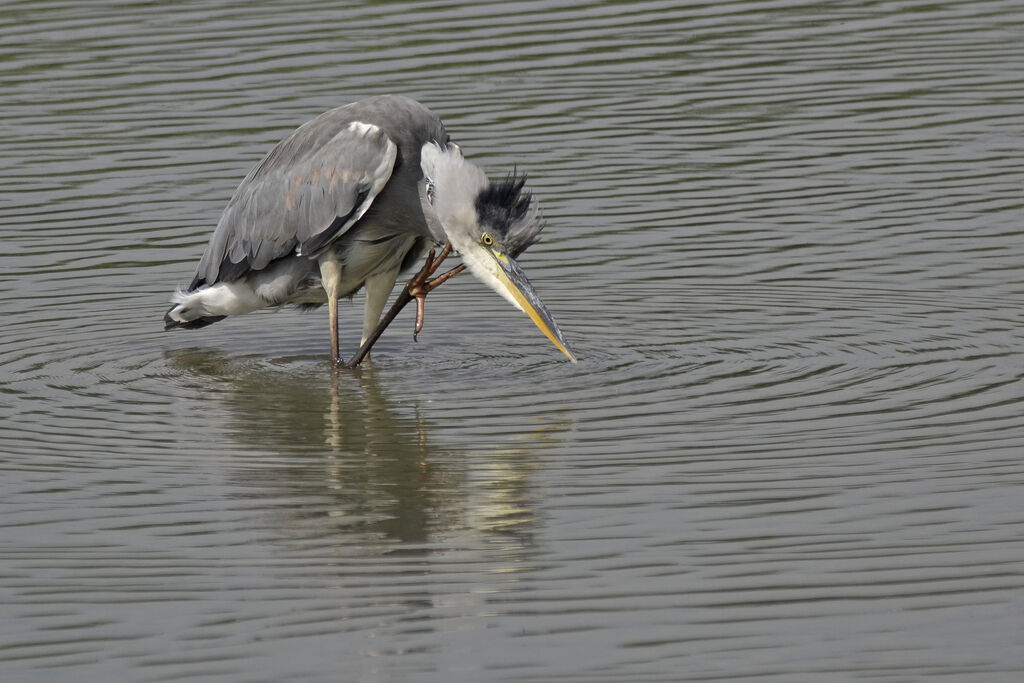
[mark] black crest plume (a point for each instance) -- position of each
(504, 208)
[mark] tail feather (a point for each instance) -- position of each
(206, 305)
(185, 314)
(171, 324)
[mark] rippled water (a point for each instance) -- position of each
(784, 238)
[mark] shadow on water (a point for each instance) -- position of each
(342, 454)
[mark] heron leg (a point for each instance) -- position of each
(330, 277)
(378, 289)
(332, 303)
(418, 284)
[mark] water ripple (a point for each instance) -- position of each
(784, 241)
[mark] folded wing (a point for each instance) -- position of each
(310, 189)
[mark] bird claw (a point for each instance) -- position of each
(418, 288)
(421, 302)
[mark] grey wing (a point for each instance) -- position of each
(310, 189)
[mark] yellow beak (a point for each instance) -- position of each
(512, 278)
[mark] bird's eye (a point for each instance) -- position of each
(486, 240)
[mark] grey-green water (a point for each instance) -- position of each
(784, 238)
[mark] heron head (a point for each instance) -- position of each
(489, 224)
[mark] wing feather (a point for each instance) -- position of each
(310, 189)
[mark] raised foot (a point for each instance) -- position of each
(417, 288)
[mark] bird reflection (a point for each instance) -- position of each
(350, 465)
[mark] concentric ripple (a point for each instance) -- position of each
(784, 240)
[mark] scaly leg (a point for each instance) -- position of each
(332, 303)
(418, 288)
(330, 277)
(378, 288)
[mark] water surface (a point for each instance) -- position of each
(784, 239)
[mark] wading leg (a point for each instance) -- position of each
(418, 288)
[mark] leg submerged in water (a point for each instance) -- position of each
(418, 288)
(378, 288)
(330, 276)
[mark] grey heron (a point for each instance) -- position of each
(348, 201)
